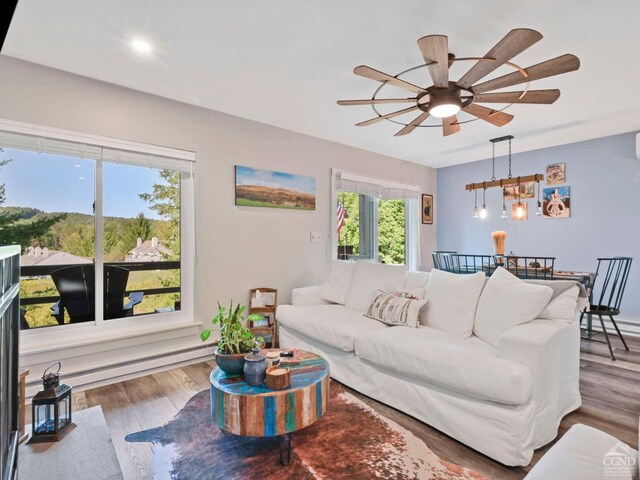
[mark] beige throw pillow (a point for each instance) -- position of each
(392, 310)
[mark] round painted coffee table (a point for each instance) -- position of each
(257, 411)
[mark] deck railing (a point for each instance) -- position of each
(45, 270)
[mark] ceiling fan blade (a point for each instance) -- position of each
(373, 74)
(494, 117)
(513, 43)
(435, 48)
(450, 126)
(388, 115)
(532, 96)
(413, 125)
(562, 64)
(376, 101)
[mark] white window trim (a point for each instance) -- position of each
(412, 220)
(70, 335)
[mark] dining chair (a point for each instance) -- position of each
(467, 263)
(528, 267)
(442, 259)
(606, 295)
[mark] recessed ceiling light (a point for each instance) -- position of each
(81, 178)
(141, 46)
(77, 165)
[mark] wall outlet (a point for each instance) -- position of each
(316, 237)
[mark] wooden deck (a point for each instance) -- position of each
(609, 392)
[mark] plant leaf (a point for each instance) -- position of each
(205, 334)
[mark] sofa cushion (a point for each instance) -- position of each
(584, 453)
(333, 325)
(336, 287)
(369, 277)
(452, 301)
(414, 280)
(564, 307)
(395, 310)
(467, 366)
(506, 302)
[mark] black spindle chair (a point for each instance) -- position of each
(442, 259)
(528, 267)
(467, 264)
(606, 294)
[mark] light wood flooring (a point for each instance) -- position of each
(610, 395)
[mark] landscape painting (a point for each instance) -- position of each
(556, 202)
(267, 188)
(527, 190)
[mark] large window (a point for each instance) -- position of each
(376, 220)
(102, 230)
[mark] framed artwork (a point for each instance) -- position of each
(427, 209)
(556, 173)
(267, 188)
(556, 202)
(514, 211)
(527, 190)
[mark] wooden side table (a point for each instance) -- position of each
(268, 311)
(257, 411)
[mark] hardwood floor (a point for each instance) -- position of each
(610, 394)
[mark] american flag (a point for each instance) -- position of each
(341, 215)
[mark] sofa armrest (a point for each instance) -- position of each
(551, 350)
(306, 296)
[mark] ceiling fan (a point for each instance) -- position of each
(445, 98)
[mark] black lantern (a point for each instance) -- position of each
(51, 409)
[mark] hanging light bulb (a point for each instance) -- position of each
(539, 209)
(483, 212)
(475, 207)
(504, 207)
(520, 210)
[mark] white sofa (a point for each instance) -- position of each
(503, 402)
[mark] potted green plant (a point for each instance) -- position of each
(235, 339)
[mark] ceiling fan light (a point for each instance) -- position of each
(445, 110)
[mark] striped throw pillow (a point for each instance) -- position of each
(394, 310)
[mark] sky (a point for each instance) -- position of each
(56, 183)
(269, 178)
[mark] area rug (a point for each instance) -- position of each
(350, 442)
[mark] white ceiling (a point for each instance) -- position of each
(286, 62)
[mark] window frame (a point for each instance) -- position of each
(62, 336)
(412, 232)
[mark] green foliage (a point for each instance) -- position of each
(391, 227)
(391, 231)
(234, 336)
(165, 201)
(139, 227)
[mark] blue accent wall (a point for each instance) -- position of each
(604, 176)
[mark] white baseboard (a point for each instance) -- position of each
(627, 327)
(117, 372)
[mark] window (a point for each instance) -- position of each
(376, 219)
(106, 233)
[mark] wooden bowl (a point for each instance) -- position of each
(278, 378)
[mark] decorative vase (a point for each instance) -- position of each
(498, 237)
(255, 365)
(231, 363)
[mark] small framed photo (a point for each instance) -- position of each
(427, 209)
(556, 173)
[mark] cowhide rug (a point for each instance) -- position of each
(350, 442)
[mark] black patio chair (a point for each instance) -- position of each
(76, 285)
(606, 295)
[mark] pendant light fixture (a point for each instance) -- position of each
(520, 213)
(539, 209)
(483, 212)
(475, 208)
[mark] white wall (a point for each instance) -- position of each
(237, 247)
